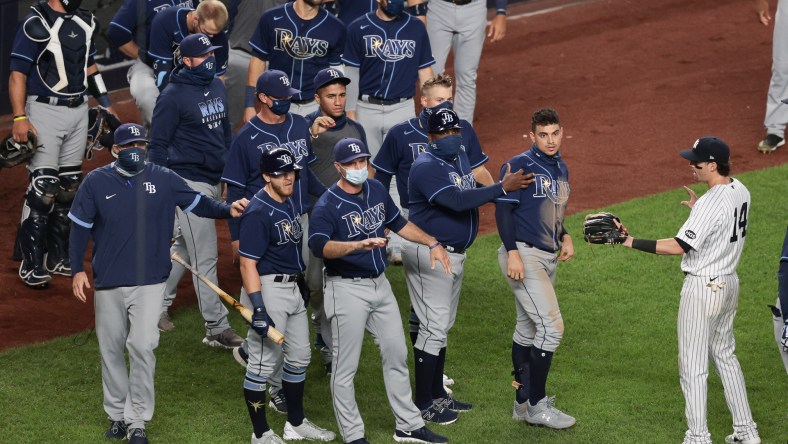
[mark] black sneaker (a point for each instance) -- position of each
(278, 402)
(422, 435)
(452, 404)
(438, 414)
(61, 267)
(117, 430)
(36, 277)
(137, 436)
(240, 355)
(770, 143)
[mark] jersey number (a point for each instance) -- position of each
(739, 222)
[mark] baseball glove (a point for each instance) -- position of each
(12, 153)
(604, 228)
(101, 128)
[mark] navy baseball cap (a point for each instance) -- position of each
(443, 120)
(329, 75)
(350, 149)
(130, 132)
(195, 45)
(275, 83)
(708, 149)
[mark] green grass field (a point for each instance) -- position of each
(616, 370)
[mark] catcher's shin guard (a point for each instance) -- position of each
(39, 200)
(57, 260)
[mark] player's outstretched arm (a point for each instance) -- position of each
(337, 249)
(667, 247)
(413, 233)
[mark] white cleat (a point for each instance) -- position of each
(307, 430)
(546, 414)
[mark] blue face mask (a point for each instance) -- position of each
(204, 72)
(395, 8)
(356, 177)
(447, 147)
(280, 107)
(427, 112)
(131, 161)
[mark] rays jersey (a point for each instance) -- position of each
(430, 176)
(342, 217)
(133, 20)
(298, 47)
(403, 144)
(131, 220)
(540, 208)
(389, 55)
(58, 48)
(715, 229)
(270, 233)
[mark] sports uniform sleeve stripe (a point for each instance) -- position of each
(193, 204)
(79, 222)
(249, 256)
(431, 199)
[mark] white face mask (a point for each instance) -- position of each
(356, 177)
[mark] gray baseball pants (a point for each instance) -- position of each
(127, 317)
(142, 86)
(352, 306)
(62, 134)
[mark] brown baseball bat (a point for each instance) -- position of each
(273, 334)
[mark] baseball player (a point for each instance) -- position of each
(531, 226)
(329, 125)
(47, 86)
(405, 141)
(172, 25)
(776, 113)
(347, 231)
(272, 127)
(459, 25)
(243, 19)
(711, 242)
(298, 38)
(127, 207)
(193, 108)
(444, 200)
(388, 51)
(271, 264)
(129, 31)
(781, 310)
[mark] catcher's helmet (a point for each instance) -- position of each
(12, 153)
(443, 120)
(277, 161)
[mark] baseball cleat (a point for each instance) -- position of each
(240, 355)
(518, 413)
(734, 439)
(137, 436)
(452, 404)
(437, 414)
(307, 430)
(422, 435)
(278, 402)
(62, 267)
(117, 430)
(226, 339)
(770, 143)
(545, 413)
(165, 322)
(268, 437)
(36, 277)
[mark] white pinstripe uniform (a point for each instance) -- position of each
(715, 229)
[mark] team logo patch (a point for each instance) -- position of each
(297, 47)
(389, 50)
(690, 234)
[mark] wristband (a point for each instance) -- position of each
(104, 101)
(257, 300)
(435, 245)
(20, 117)
(500, 12)
(649, 246)
(313, 136)
(249, 97)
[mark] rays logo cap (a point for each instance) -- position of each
(330, 75)
(276, 84)
(195, 45)
(708, 149)
(130, 132)
(442, 121)
(350, 149)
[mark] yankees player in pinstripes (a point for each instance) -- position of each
(531, 226)
(128, 209)
(444, 201)
(711, 242)
(300, 39)
(272, 269)
(347, 231)
(459, 25)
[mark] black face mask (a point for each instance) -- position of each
(70, 5)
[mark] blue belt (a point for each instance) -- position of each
(71, 102)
